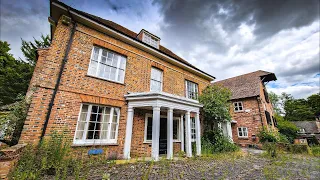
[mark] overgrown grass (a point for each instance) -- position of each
(315, 150)
(53, 157)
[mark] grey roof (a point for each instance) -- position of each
(246, 85)
(308, 126)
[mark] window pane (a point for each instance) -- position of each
(81, 126)
(90, 134)
(95, 53)
(115, 61)
(113, 131)
(84, 108)
(79, 134)
(97, 135)
(113, 73)
(93, 68)
(149, 129)
(83, 117)
(175, 129)
(104, 134)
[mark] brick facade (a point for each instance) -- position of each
(77, 87)
(253, 117)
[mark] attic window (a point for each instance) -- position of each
(147, 38)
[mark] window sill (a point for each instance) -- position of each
(91, 144)
(243, 137)
(117, 82)
(239, 111)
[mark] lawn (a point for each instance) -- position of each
(237, 165)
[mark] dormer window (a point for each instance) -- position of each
(149, 38)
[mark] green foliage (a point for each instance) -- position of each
(298, 110)
(314, 103)
(13, 121)
(288, 129)
(29, 49)
(50, 157)
(267, 136)
(271, 149)
(275, 101)
(315, 150)
(216, 104)
(15, 76)
(214, 142)
(299, 148)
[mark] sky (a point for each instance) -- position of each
(224, 38)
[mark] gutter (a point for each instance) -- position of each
(63, 63)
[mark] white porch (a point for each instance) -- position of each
(171, 104)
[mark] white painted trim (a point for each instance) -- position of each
(234, 107)
(136, 43)
(128, 136)
(242, 132)
(85, 141)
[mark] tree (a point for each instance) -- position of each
(15, 75)
(298, 110)
(29, 49)
(314, 103)
(275, 101)
(216, 104)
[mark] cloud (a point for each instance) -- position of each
(225, 38)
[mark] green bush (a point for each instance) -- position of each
(271, 149)
(51, 157)
(215, 141)
(267, 136)
(288, 129)
(299, 149)
(315, 150)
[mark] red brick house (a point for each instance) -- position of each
(250, 108)
(105, 85)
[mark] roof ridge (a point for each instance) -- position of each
(241, 75)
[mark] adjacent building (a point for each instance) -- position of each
(250, 108)
(309, 132)
(104, 85)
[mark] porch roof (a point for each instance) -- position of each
(162, 99)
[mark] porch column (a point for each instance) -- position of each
(198, 134)
(155, 133)
(127, 142)
(182, 132)
(188, 135)
(229, 130)
(170, 133)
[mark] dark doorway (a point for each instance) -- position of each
(163, 136)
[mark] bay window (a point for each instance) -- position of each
(97, 124)
(107, 65)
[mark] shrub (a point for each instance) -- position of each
(299, 148)
(288, 129)
(50, 157)
(315, 150)
(267, 136)
(214, 141)
(271, 149)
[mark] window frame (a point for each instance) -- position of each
(148, 115)
(150, 40)
(107, 141)
(96, 75)
(161, 79)
(196, 87)
(242, 132)
(234, 106)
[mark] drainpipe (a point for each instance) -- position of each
(65, 58)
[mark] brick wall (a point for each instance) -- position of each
(252, 119)
(77, 87)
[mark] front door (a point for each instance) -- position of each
(163, 136)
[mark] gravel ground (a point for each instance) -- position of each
(227, 166)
